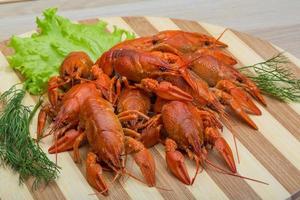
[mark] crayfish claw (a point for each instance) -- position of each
(175, 162)
(94, 174)
(165, 90)
(42, 117)
(222, 147)
(236, 107)
(256, 93)
(246, 102)
(64, 143)
(240, 96)
(142, 158)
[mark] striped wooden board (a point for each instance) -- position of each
(271, 154)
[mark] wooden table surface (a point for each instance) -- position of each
(277, 21)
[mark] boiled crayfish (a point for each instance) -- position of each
(172, 88)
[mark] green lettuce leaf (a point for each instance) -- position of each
(38, 57)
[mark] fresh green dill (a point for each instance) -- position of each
(17, 148)
(273, 77)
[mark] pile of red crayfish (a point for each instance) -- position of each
(173, 88)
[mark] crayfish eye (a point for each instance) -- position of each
(206, 43)
(162, 68)
(154, 42)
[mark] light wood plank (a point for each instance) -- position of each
(162, 23)
(9, 181)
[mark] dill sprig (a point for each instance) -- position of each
(273, 77)
(17, 148)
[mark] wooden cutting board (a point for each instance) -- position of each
(271, 154)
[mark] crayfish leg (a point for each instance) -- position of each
(252, 89)
(131, 115)
(131, 133)
(150, 135)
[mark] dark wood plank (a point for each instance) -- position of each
(50, 191)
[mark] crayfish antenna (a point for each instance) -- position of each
(96, 192)
(124, 164)
(49, 133)
(56, 149)
(125, 171)
(236, 148)
(162, 188)
(114, 179)
(235, 143)
(198, 165)
(138, 179)
(221, 170)
(221, 35)
(85, 80)
(58, 85)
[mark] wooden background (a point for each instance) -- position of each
(270, 154)
(277, 21)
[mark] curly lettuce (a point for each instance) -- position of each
(38, 57)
